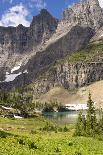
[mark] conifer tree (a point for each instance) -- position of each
(91, 121)
(81, 125)
(100, 122)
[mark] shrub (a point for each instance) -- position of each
(58, 149)
(65, 129)
(32, 145)
(21, 141)
(50, 127)
(70, 144)
(77, 153)
(4, 134)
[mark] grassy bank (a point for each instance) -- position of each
(40, 137)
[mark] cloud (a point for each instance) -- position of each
(38, 4)
(20, 13)
(15, 15)
(101, 3)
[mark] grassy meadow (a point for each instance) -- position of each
(38, 136)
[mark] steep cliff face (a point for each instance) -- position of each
(69, 76)
(42, 27)
(77, 38)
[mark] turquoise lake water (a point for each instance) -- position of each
(62, 117)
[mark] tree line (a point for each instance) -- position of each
(25, 103)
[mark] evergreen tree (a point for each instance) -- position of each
(91, 121)
(100, 122)
(81, 125)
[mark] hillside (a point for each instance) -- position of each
(75, 96)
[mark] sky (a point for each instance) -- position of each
(15, 12)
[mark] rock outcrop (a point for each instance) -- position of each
(69, 76)
(86, 13)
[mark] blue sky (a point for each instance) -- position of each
(14, 12)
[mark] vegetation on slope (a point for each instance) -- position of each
(38, 137)
(93, 52)
(22, 102)
(90, 124)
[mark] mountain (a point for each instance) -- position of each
(52, 53)
(16, 41)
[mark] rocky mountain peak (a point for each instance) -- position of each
(44, 12)
(43, 26)
(85, 13)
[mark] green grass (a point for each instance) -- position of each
(26, 137)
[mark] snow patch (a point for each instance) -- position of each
(101, 35)
(76, 107)
(25, 71)
(16, 68)
(18, 117)
(7, 73)
(7, 108)
(11, 77)
(101, 3)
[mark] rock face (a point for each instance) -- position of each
(78, 37)
(86, 13)
(26, 52)
(42, 27)
(20, 40)
(69, 76)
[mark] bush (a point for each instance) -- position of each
(21, 141)
(58, 149)
(77, 153)
(50, 127)
(32, 145)
(4, 134)
(70, 144)
(65, 129)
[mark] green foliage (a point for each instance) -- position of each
(91, 121)
(89, 125)
(4, 134)
(89, 54)
(50, 127)
(65, 129)
(32, 145)
(77, 153)
(22, 101)
(81, 125)
(20, 141)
